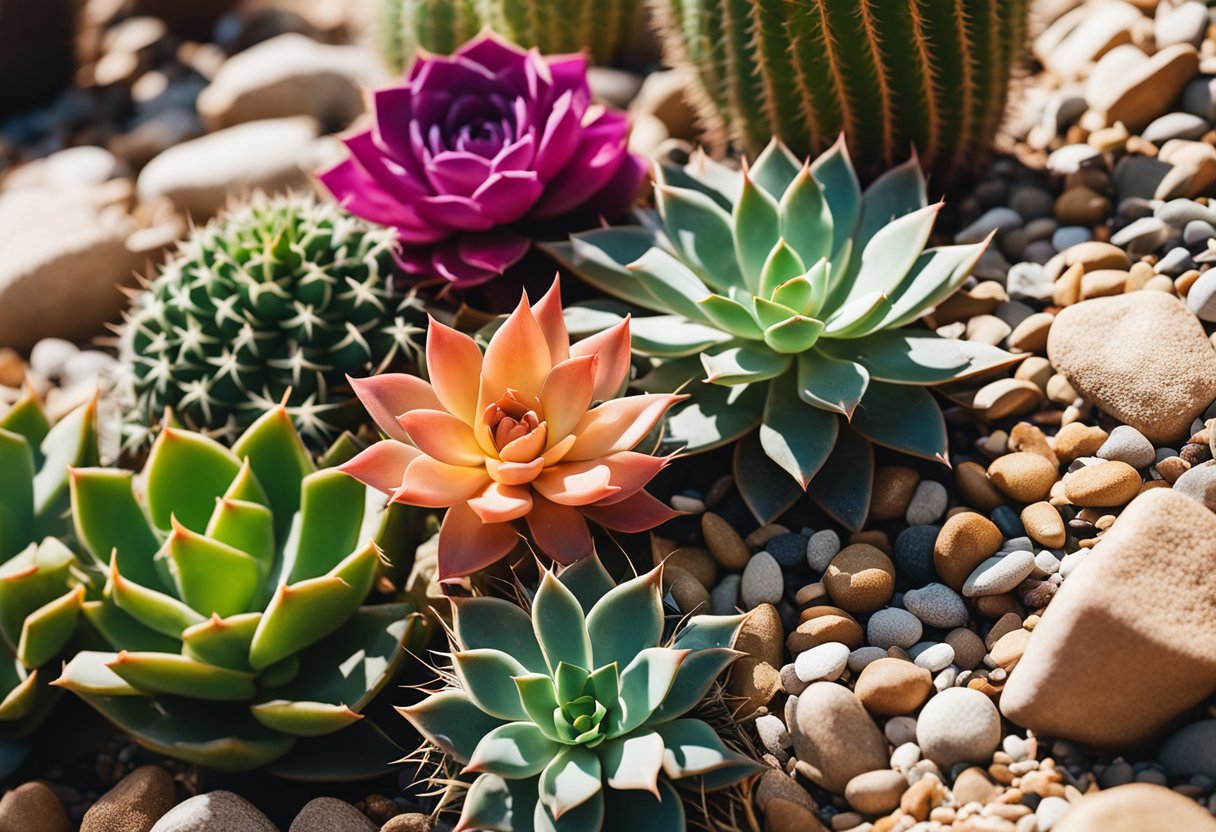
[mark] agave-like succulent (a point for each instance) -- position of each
(40, 596)
(233, 597)
(790, 291)
(512, 436)
(575, 717)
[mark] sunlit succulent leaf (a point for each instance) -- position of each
(904, 418)
(515, 750)
(89, 672)
(568, 681)
(279, 461)
(494, 804)
(488, 676)
(637, 602)
(806, 220)
(897, 192)
(633, 761)
(732, 317)
(27, 419)
(797, 293)
(19, 693)
(775, 168)
(495, 624)
(793, 335)
(757, 228)
(588, 580)
(539, 696)
(853, 316)
(794, 435)
(34, 577)
(692, 747)
(701, 230)
(210, 576)
(302, 718)
(223, 642)
(832, 384)
(569, 780)
(692, 683)
(331, 517)
(16, 494)
(451, 721)
(155, 610)
(110, 521)
(121, 630)
(717, 181)
(246, 488)
(186, 472)
(182, 676)
(560, 626)
(782, 264)
(246, 527)
(47, 629)
(920, 357)
(588, 817)
(891, 253)
(673, 336)
(672, 283)
(935, 276)
(601, 256)
(841, 190)
(70, 443)
(645, 682)
(743, 364)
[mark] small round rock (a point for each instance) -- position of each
(1126, 444)
(1107, 484)
(821, 548)
(959, 725)
(876, 792)
(937, 605)
(893, 627)
(935, 658)
(965, 541)
(138, 801)
(999, 574)
(787, 549)
(1024, 476)
(969, 648)
(762, 581)
(328, 814)
(822, 663)
(34, 807)
(214, 810)
(929, 502)
(861, 578)
(893, 687)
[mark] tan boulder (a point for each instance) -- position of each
(1136, 807)
(1129, 642)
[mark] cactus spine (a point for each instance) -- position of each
(889, 74)
(609, 29)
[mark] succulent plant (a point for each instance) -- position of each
(283, 295)
(888, 75)
(233, 595)
(790, 292)
(610, 30)
(40, 596)
(476, 150)
(576, 717)
(512, 436)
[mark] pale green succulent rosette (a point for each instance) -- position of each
(233, 599)
(576, 717)
(41, 590)
(792, 292)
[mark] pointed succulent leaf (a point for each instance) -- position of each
(935, 276)
(806, 219)
(834, 172)
(731, 316)
(495, 624)
(757, 228)
(853, 315)
(121, 630)
(797, 292)
(846, 480)
(920, 357)
(891, 253)
(452, 721)
(766, 488)
(16, 494)
(743, 364)
(831, 384)
(246, 527)
(515, 750)
(793, 335)
(696, 676)
(301, 614)
(898, 192)
(633, 761)
(605, 685)
(701, 231)
(47, 629)
(589, 817)
(705, 632)
(223, 642)
(671, 283)
(342, 450)
(89, 672)
(569, 780)
(692, 747)
(493, 803)
(588, 580)
(721, 778)
(279, 461)
(211, 577)
(34, 577)
(775, 168)
(601, 257)
(559, 624)
(673, 336)
(903, 418)
(645, 812)
(185, 474)
(27, 419)
(568, 681)
(246, 488)
(488, 677)
(20, 693)
(331, 516)
(109, 520)
(182, 676)
(636, 602)
(716, 180)
(303, 719)
(539, 697)
(797, 437)
(782, 264)
(712, 416)
(769, 313)
(71, 443)
(645, 682)
(155, 610)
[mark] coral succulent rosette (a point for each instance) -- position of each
(512, 436)
(477, 146)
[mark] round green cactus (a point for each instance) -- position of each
(40, 596)
(575, 717)
(233, 597)
(278, 299)
(790, 291)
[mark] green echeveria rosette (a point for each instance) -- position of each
(277, 299)
(41, 590)
(233, 598)
(791, 291)
(575, 718)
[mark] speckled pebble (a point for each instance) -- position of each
(863, 656)
(937, 605)
(1126, 444)
(327, 814)
(999, 574)
(821, 548)
(762, 581)
(1199, 484)
(928, 504)
(1107, 484)
(959, 725)
(935, 657)
(860, 578)
(773, 733)
(913, 554)
(787, 549)
(893, 627)
(968, 647)
(823, 663)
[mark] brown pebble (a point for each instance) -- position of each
(1080, 205)
(964, 542)
(1171, 468)
(893, 687)
(973, 786)
(836, 625)
(1184, 282)
(690, 595)
(923, 796)
(1030, 438)
(893, 489)
(761, 635)
(1067, 289)
(756, 539)
(33, 807)
(1010, 647)
(1044, 525)
(1095, 255)
(860, 578)
(1077, 440)
(135, 804)
(1103, 283)
(968, 647)
(724, 543)
(1026, 477)
(873, 537)
(811, 594)
(695, 560)
(994, 606)
(1007, 397)
(975, 488)
(410, 822)
(1036, 369)
(752, 684)
(786, 816)
(380, 809)
(1111, 483)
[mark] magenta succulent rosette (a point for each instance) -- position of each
(477, 149)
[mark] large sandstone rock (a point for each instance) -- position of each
(63, 258)
(202, 175)
(835, 737)
(1142, 357)
(1129, 642)
(1136, 807)
(290, 75)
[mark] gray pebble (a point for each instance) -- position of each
(1046, 563)
(1198, 232)
(1142, 236)
(1031, 202)
(1175, 262)
(821, 548)
(1191, 751)
(790, 683)
(1069, 236)
(937, 605)
(928, 503)
(762, 581)
(999, 574)
(863, 656)
(1175, 126)
(1126, 444)
(892, 627)
(724, 597)
(1201, 299)
(1048, 813)
(1139, 176)
(1069, 158)
(773, 733)
(900, 730)
(1178, 212)
(1071, 561)
(1040, 251)
(1199, 484)
(995, 219)
(1199, 98)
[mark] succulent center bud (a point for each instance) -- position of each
(511, 418)
(482, 125)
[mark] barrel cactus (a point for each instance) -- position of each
(283, 295)
(611, 30)
(40, 597)
(790, 292)
(233, 597)
(576, 716)
(889, 74)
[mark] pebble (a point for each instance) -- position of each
(724, 597)
(999, 574)
(1191, 751)
(830, 624)
(1184, 23)
(996, 219)
(1069, 158)
(893, 687)
(1201, 299)
(1044, 524)
(327, 814)
(1028, 280)
(409, 822)
(773, 733)
(935, 657)
(821, 548)
(937, 605)
(1026, 477)
(50, 355)
(824, 662)
(1129, 87)
(762, 581)
(958, 725)
(1107, 484)
(787, 549)
(965, 541)
(1126, 444)
(969, 648)
(875, 792)
(1199, 483)
(859, 579)
(214, 810)
(33, 806)
(1010, 647)
(860, 658)
(913, 554)
(1174, 126)
(928, 503)
(135, 804)
(892, 627)
(834, 736)
(1049, 811)
(761, 635)
(724, 543)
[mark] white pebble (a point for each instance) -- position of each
(937, 605)
(999, 574)
(936, 657)
(1015, 747)
(822, 663)
(762, 581)
(1049, 812)
(928, 503)
(945, 679)
(905, 756)
(50, 355)
(1071, 561)
(773, 733)
(1045, 563)
(821, 548)
(893, 627)
(959, 725)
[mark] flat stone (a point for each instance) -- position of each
(212, 812)
(834, 736)
(134, 805)
(1113, 614)
(762, 581)
(999, 574)
(326, 814)
(1185, 23)
(1136, 807)
(1072, 43)
(1141, 357)
(1136, 90)
(1175, 126)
